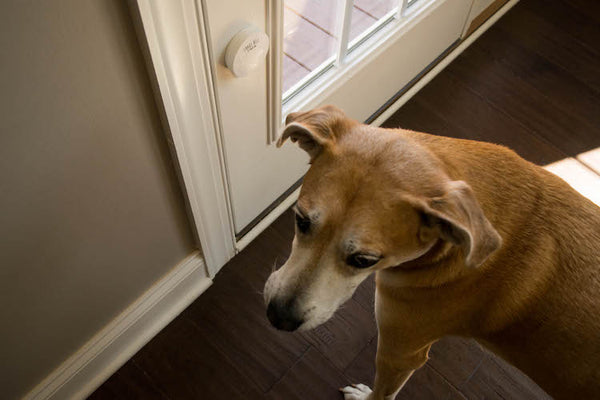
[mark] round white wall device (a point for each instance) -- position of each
(246, 50)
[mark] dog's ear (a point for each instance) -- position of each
(457, 218)
(307, 138)
(314, 130)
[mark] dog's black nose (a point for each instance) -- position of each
(282, 316)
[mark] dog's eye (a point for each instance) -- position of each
(303, 223)
(362, 260)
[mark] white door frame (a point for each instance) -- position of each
(175, 34)
(178, 50)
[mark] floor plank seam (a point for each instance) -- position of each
(515, 71)
(492, 105)
(563, 69)
(289, 369)
(227, 357)
(450, 383)
(344, 372)
(366, 12)
(154, 384)
(368, 310)
(468, 380)
(588, 166)
(476, 369)
(498, 109)
(465, 383)
(574, 38)
(299, 14)
(339, 370)
(297, 61)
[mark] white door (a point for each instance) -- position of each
(361, 55)
(356, 54)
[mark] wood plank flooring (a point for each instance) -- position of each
(531, 83)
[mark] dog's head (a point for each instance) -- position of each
(371, 200)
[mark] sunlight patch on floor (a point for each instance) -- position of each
(591, 159)
(581, 173)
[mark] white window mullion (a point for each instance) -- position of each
(344, 31)
(401, 8)
(275, 68)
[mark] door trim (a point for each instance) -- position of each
(177, 47)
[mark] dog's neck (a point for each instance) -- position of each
(441, 265)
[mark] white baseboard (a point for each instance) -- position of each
(109, 349)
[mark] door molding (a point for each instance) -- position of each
(175, 38)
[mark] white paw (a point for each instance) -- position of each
(356, 392)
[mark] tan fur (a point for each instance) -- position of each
(534, 299)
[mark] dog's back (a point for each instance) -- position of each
(557, 342)
(543, 286)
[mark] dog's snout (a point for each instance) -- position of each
(283, 316)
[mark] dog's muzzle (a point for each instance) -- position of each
(282, 315)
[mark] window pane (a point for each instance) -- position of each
(310, 29)
(367, 13)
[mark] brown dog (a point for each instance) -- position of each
(465, 238)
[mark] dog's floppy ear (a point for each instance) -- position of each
(457, 218)
(310, 141)
(313, 130)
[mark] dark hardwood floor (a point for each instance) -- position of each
(532, 82)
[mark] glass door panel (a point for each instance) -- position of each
(377, 9)
(368, 14)
(319, 34)
(310, 37)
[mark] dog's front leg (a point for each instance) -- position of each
(393, 368)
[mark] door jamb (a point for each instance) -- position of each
(177, 47)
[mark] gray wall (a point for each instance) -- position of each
(91, 214)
